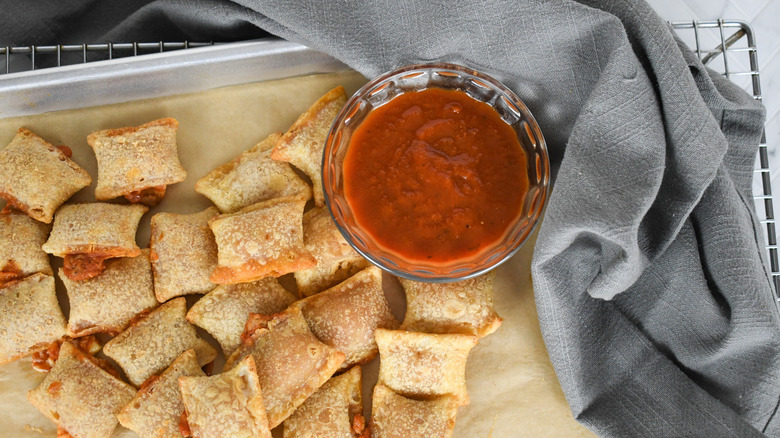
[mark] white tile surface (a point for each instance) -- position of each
(764, 17)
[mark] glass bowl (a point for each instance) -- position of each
(478, 86)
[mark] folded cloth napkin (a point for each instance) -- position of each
(652, 292)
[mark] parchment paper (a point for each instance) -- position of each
(513, 388)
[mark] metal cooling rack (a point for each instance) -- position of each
(732, 52)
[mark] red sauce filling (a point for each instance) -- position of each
(150, 196)
(435, 176)
(79, 267)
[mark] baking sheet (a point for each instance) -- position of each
(513, 388)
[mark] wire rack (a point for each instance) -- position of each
(727, 46)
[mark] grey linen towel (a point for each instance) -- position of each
(652, 294)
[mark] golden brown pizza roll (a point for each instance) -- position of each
(226, 405)
(303, 143)
(262, 240)
(346, 316)
(291, 363)
(461, 307)
(153, 342)
(80, 396)
(396, 416)
(250, 178)
(37, 177)
(223, 311)
(21, 238)
(334, 411)
(30, 316)
(109, 302)
(137, 162)
(184, 253)
(336, 259)
(85, 235)
(156, 409)
(424, 365)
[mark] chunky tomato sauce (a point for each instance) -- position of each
(435, 175)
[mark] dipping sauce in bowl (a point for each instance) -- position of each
(435, 172)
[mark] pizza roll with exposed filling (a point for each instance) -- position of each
(153, 342)
(461, 307)
(157, 408)
(37, 177)
(346, 315)
(424, 365)
(303, 143)
(262, 240)
(109, 302)
(85, 235)
(291, 363)
(80, 395)
(30, 317)
(21, 238)
(184, 253)
(250, 178)
(396, 416)
(226, 405)
(335, 410)
(336, 259)
(223, 312)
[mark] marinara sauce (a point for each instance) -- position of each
(435, 175)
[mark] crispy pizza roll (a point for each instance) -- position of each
(262, 240)
(85, 235)
(346, 316)
(151, 343)
(250, 178)
(21, 238)
(291, 363)
(137, 162)
(80, 396)
(303, 143)
(184, 253)
(336, 259)
(156, 409)
(30, 316)
(226, 405)
(461, 307)
(109, 302)
(37, 177)
(396, 416)
(424, 365)
(224, 311)
(335, 410)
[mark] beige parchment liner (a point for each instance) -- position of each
(513, 388)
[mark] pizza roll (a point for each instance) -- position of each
(226, 405)
(37, 177)
(108, 303)
(346, 316)
(85, 235)
(262, 240)
(303, 143)
(21, 238)
(156, 409)
(250, 178)
(223, 311)
(80, 396)
(137, 162)
(30, 316)
(424, 365)
(151, 343)
(335, 410)
(461, 307)
(395, 416)
(336, 259)
(291, 363)
(184, 253)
